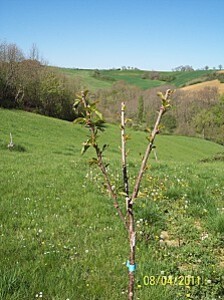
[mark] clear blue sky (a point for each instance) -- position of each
(148, 34)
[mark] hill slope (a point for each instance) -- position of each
(213, 83)
(37, 134)
(106, 78)
(60, 235)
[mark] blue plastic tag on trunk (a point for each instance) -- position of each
(131, 268)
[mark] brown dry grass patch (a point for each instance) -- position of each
(202, 85)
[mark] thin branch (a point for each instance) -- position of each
(165, 100)
(109, 186)
(10, 145)
(129, 208)
(124, 154)
(100, 162)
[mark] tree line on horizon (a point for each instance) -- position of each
(26, 82)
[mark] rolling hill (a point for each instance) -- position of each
(36, 134)
(106, 78)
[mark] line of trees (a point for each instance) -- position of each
(187, 68)
(26, 82)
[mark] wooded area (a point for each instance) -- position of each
(26, 82)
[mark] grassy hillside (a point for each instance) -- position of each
(86, 78)
(185, 78)
(133, 77)
(61, 238)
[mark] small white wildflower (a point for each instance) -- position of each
(40, 230)
(209, 281)
(162, 243)
(204, 236)
(162, 272)
(87, 251)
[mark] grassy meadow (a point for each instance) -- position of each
(60, 237)
(133, 77)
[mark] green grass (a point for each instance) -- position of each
(86, 79)
(184, 78)
(60, 235)
(133, 77)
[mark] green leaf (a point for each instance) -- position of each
(104, 147)
(127, 137)
(100, 124)
(122, 194)
(76, 104)
(128, 120)
(77, 101)
(99, 114)
(85, 148)
(160, 94)
(93, 105)
(80, 121)
(79, 97)
(93, 161)
(86, 92)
